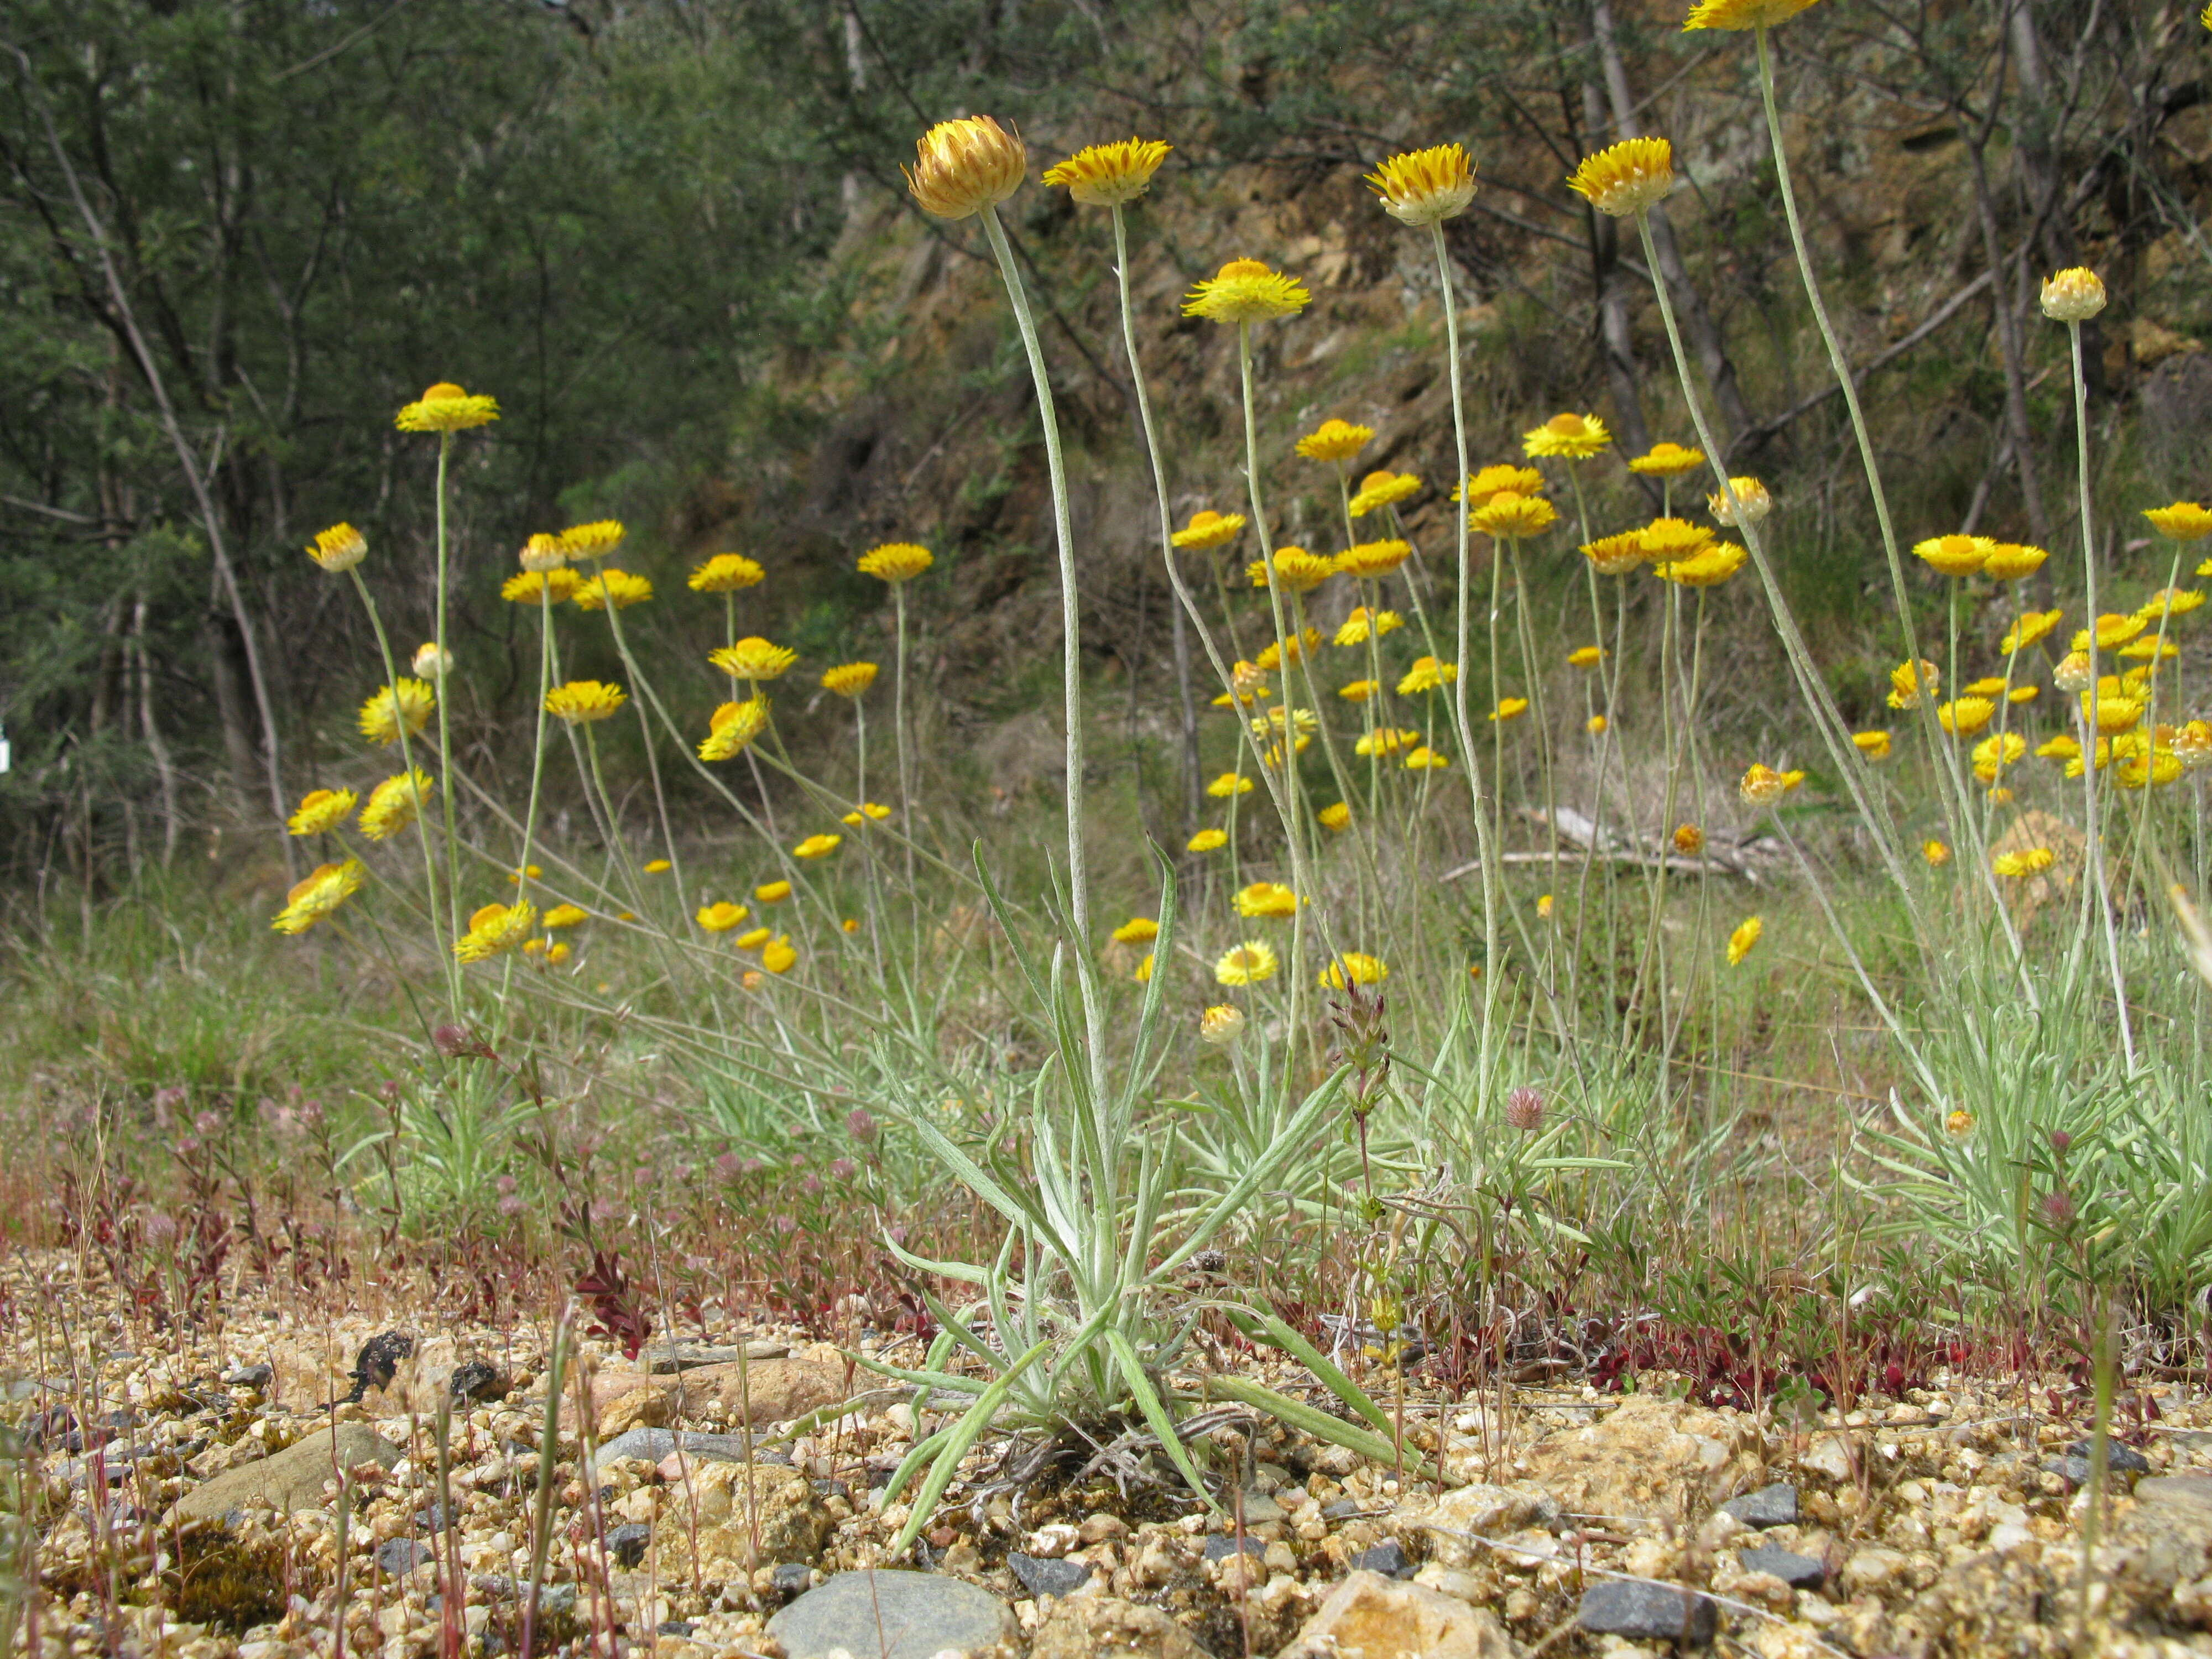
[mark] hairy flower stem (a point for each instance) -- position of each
(1071, 623)
(444, 728)
(2093, 840)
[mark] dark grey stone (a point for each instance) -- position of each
(2074, 1471)
(891, 1615)
(1040, 1575)
(1388, 1557)
(627, 1542)
(1344, 1509)
(2118, 1458)
(1223, 1545)
(1647, 1612)
(674, 1627)
(692, 1355)
(396, 1558)
(790, 1578)
(554, 1601)
(1798, 1571)
(653, 1444)
(477, 1379)
(250, 1376)
(1770, 1506)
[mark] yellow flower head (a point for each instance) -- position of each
(1750, 495)
(818, 846)
(2012, 561)
(726, 572)
(1673, 539)
(445, 408)
(1762, 786)
(541, 586)
(895, 562)
(1294, 570)
(1493, 481)
(2184, 521)
(961, 168)
(716, 918)
(2028, 862)
(318, 894)
(2073, 295)
(1741, 941)
(1668, 461)
(1595, 724)
(2170, 602)
(1267, 898)
(1586, 656)
(1299, 644)
(1741, 15)
(1369, 561)
(848, 680)
(1616, 556)
(616, 587)
(1335, 440)
(753, 659)
(1208, 530)
(495, 928)
(772, 892)
(2192, 745)
(1955, 555)
(1112, 174)
(1570, 436)
(1208, 840)
(338, 548)
(2023, 694)
(1689, 839)
(321, 811)
(1509, 708)
(2061, 747)
(1511, 514)
(393, 804)
(2113, 631)
(408, 704)
(1427, 674)
(1221, 1025)
(1994, 753)
(2033, 626)
(565, 915)
(595, 540)
(2151, 647)
(1875, 745)
(1425, 186)
(1626, 178)
(732, 726)
(1355, 628)
(1246, 964)
(1246, 291)
(778, 956)
(1227, 784)
(865, 811)
(1380, 489)
(1960, 1124)
(1935, 853)
(2110, 714)
(580, 703)
(1143, 974)
(1138, 930)
(542, 553)
(1708, 568)
(1425, 759)
(1907, 681)
(1337, 815)
(1355, 968)
(753, 939)
(1964, 716)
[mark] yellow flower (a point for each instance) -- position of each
(1294, 570)
(2061, 747)
(1425, 186)
(2151, 646)
(2023, 694)
(2110, 715)
(851, 924)
(1741, 941)
(1960, 1124)
(866, 810)
(1337, 815)
(445, 408)
(1994, 753)
(2033, 626)
(1227, 784)
(1750, 494)
(1762, 786)
(2012, 561)
(1906, 687)
(1357, 626)
(1689, 839)
(2170, 602)
(319, 894)
(494, 929)
(2184, 521)
(772, 892)
(848, 680)
(1616, 556)
(1626, 178)
(753, 659)
(1208, 530)
(658, 866)
(1569, 436)
(1425, 759)
(557, 953)
(818, 846)
(581, 701)
(1206, 840)
(2073, 295)
(393, 804)
(1594, 725)
(321, 811)
(338, 548)
(895, 562)
(2026, 862)
(1266, 898)
(1671, 538)
(1955, 555)
(1138, 930)
(1509, 513)
(961, 167)
(1143, 974)
(565, 915)
(1246, 291)
(778, 956)
(541, 586)
(753, 939)
(1668, 461)
(1299, 644)
(1741, 15)
(1875, 745)
(1371, 560)
(2113, 631)
(1379, 489)
(2192, 745)
(1494, 481)
(1110, 174)
(1586, 656)
(1964, 716)
(726, 572)
(1335, 440)
(1935, 853)
(1427, 674)
(595, 540)
(542, 553)
(1708, 568)
(618, 587)
(1544, 907)
(1355, 966)
(716, 918)
(1509, 708)
(409, 704)
(732, 726)
(1221, 1025)
(1246, 964)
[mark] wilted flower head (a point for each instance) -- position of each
(859, 1125)
(963, 167)
(1221, 1025)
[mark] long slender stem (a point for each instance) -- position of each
(444, 728)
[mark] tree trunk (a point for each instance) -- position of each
(164, 768)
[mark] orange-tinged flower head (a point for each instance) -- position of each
(494, 929)
(445, 408)
(1338, 816)
(2184, 521)
(1335, 440)
(1668, 460)
(963, 167)
(1568, 437)
(1246, 291)
(2073, 295)
(1425, 186)
(1762, 786)
(1110, 174)
(1935, 853)
(732, 726)
(319, 894)
(1627, 177)
(1689, 839)
(338, 548)
(1209, 529)
(726, 572)
(1616, 556)
(895, 562)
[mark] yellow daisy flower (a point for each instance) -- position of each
(895, 562)
(1750, 495)
(565, 915)
(1369, 561)
(1616, 556)
(1668, 460)
(580, 703)
(318, 894)
(1955, 555)
(753, 659)
(1248, 963)
(818, 846)
(2028, 862)
(1741, 941)
(1138, 930)
(848, 680)
(772, 892)
(778, 956)
(1209, 529)
(1425, 186)
(1935, 853)
(618, 587)
(1626, 179)
(1964, 716)
(1110, 174)
(1708, 568)
(1570, 436)
(409, 704)
(1427, 674)
(445, 408)
(541, 586)
(1357, 968)
(1741, 15)
(1335, 440)
(1246, 291)
(1493, 481)
(1270, 899)
(2033, 626)
(963, 167)
(1208, 840)
(1509, 708)
(726, 572)
(2012, 561)
(595, 540)
(1875, 745)
(1380, 489)
(1337, 815)
(1509, 513)
(1355, 627)
(1227, 784)
(321, 811)
(2184, 521)
(716, 918)
(732, 726)
(394, 804)
(338, 548)
(495, 928)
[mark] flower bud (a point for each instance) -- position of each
(2072, 295)
(1221, 1025)
(1524, 1108)
(542, 553)
(961, 168)
(431, 661)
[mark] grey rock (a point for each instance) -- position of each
(2163, 1489)
(792, 1578)
(2118, 1458)
(627, 1542)
(1344, 1509)
(1770, 1506)
(291, 1479)
(1040, 1577)
(651, 1445)
(2074, 1471)
(1798, 1571)
(1647, 1612)
(1388, 1557)
(1223, 1545)
(477, 1379)
(892, 1615)
(693, 1356)
(397, 1556)
(674, 1627)
(1259, 1509)
(554, 1601)
(249, 1376)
